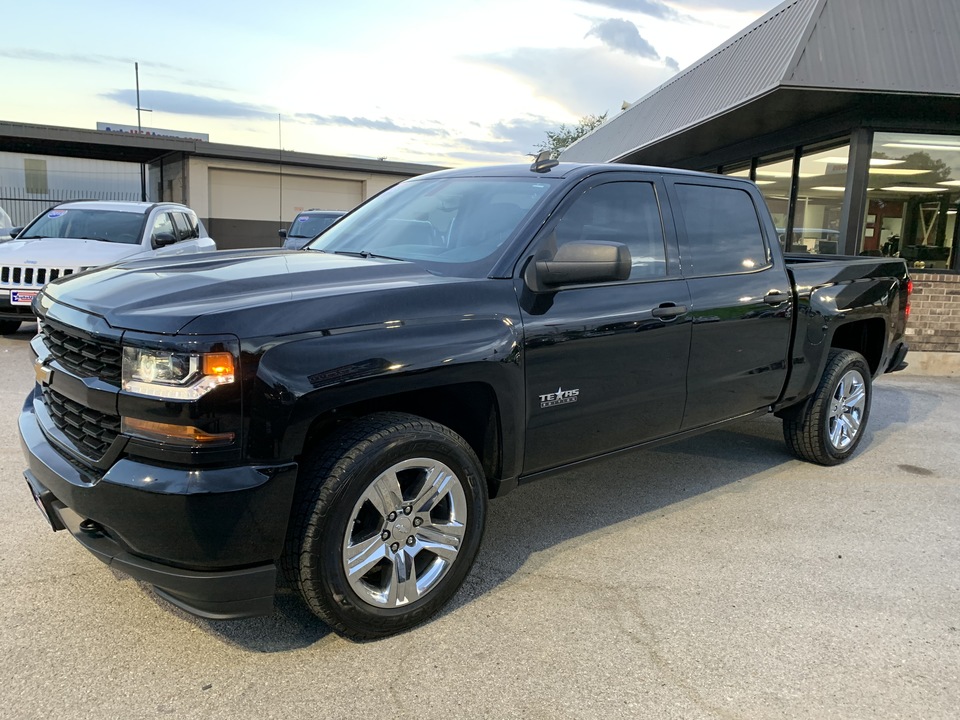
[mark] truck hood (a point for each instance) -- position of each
(64, 252)
(244, 292)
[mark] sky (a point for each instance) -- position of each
(443, 82)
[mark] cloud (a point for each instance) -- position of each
(383, 125)
(735, 5)
(584, 81)
(516, 137)
(179, 103)
(671, 64)
(623, 35)
(87, 59)
(644, 7)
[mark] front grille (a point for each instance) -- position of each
(90, 430)
(86, 357)
(16, 276)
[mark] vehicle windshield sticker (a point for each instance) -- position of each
(302, 219)
(560, 397)
(56, 213)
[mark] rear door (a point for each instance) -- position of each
(741, 307)
(606, 363)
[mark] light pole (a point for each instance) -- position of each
(143, 169)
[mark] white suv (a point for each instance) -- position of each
(75, 236)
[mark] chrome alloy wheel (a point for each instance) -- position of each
(846, 410)
(404, 532)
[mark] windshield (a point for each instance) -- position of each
(451, 225)
(89, 224)
(308, 226)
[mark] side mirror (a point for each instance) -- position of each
(15, 231)
(164, 239)
(282, 233)
(580, 262)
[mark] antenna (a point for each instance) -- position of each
(543, 162)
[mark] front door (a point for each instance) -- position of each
(606, 363)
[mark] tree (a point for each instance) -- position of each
(559, 140)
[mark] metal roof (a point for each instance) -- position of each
(858, 46)
(102, 145)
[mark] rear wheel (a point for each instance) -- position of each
(8, 327)
(828, 428)
(388, 524)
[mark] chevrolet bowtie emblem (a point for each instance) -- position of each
(42, 372)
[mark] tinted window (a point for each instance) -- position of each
(186, 225)
(623, 212)
(723, 231)
(310, 225)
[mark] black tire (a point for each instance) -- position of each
(347, 484)
(828, 428)
(8, 327)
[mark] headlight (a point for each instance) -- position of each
(174, 375)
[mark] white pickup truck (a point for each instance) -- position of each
(83, 234)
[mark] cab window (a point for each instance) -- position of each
(622, 212)
(723, 234)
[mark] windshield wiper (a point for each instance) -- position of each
(90, 237)
(366, 254)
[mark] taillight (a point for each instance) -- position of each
(909, 292)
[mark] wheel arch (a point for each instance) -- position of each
(865, 336)
(470, 409)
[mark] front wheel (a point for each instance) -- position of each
(828, 428)
(388, 523)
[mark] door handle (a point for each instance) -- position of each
(776, 298)
(668, 311)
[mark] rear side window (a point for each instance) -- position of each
(623, 212)
(723, 231)
(186, 225)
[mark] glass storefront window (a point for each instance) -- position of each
(913, 195)
(773, 179)
(821, 185)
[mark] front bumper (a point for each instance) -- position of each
(207, 539)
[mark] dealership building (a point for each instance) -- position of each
(846, 113)
(244, 195)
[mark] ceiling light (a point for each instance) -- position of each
(764, 182)
(831, 188)
(951, 183)
(898, 171)
(782, 174)
(835, 160)
(912, 189)
(922, 146)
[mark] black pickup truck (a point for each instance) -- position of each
(336, 418)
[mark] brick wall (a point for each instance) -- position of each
(934, 323)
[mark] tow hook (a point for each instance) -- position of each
(90, 527)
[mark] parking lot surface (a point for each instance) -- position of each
(714, 578)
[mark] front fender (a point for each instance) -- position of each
(303, 378)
